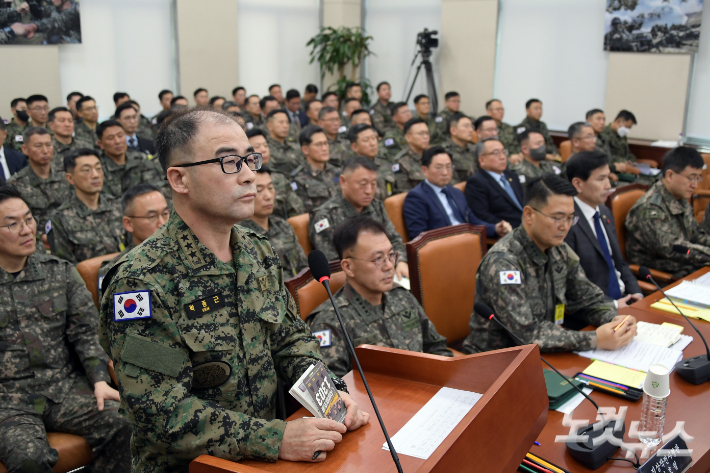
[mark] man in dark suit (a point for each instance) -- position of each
(127, 115)
(494, 192)
(293, 109)
(11, 161)
(593, 236)
(434, 203)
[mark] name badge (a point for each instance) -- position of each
(200, 307)
(559, 314)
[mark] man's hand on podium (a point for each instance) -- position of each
(303, 437)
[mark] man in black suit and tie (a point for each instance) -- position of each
(128, 117)
(493, 192)
(11, 161)
(593, 236)
(293, 109)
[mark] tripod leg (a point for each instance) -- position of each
(431, 87)
(414, 81)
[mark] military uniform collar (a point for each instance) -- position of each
(674, 205)
(362, 306)
(111, 165)
(54, 176)
(31, 272)
(536, 254)
(345, 204)
(84, 211)
(413, 153)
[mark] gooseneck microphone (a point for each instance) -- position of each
(318, 264)
(695, 370)
(587, 453)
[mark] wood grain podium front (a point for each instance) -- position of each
(494, 436)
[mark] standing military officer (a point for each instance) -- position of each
(459, 144)
(285, 155)
(531, 278)
(394, 139)
(199, 323)
(339, 147)
(381, 113)
(17, 125)
(533, 110)
(407, 167)
(375, 310)
(49, 323)
(317, 180)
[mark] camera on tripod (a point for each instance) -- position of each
(427, 41)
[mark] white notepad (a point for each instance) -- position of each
(655, 334)
(637, 356)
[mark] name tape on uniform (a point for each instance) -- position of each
(131, 306)
(510, 277)
(324, 337)
(321, 225)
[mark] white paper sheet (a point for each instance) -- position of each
(572, 404)
(682, 343)
(690, 292)
(424, 432)
(704, 280)
(636, 355)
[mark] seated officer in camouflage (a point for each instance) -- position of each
(339, 148)
(363, 142)
(197, 363)
(458, 144)
(394, 139)
(253, 117)
(583, 137)
(350, 105)
(452, 106)
(18, 124)
(61, 122)
(89, 223)
(86, 130)
(360, 116)
(285, 155)
(48, 323)
(663, 217)
(407, 164)
(533, 110)
(279, 232)
(316, 180)
(312, 110)
(534, 151)
(375, 311)
(380, 112)
(358, 183)
(614, 137)
(288, 204)
(531, 278)
(38, 109)
(422, 105)
(506, 133)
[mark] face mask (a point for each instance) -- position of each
(622, 131)
(538, 154)
(22, 115)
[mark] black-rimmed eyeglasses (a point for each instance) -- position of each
(231, 164)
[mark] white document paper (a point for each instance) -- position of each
(690, 292)
(572, 404)
(433, 423)
(655, 334)
(682, 343)
(665, 143)
(704, 280)
(636, 355)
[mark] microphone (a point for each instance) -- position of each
(695, 370)
(587, 453)
(318, 264)
(680, 249)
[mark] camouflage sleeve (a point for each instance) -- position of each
(6, 38)
(336, 355)
(294, 205)
(513, 305)
(82, 327)
(63, 23)
(9, 16)
(584, 298)
(59, 242)
(378, 121)
(434, 343)
(322, 239)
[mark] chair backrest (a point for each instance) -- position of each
(309, 293)
(442, 271)
(461, 186)
(565, 150)
(394, 206)
(474, 138)
(300, 228)
(620, 202)
(89, 272)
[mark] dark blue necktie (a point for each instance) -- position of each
(614, 289)
(452, 204)
(509, 190)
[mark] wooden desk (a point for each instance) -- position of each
(687, 402)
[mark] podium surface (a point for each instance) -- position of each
(494, 435)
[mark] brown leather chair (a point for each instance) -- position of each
(702, 192)
(89, 272)
(474, 138)
(309, 293)
(442, 271)
(565, 150)
(73, 451)
(620, 203)
(300, 228)
(461, 186)
(394, 206)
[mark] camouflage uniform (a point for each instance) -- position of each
(284, 243)
(48, 328)
(63, 24)
(509, 138)
(655, 223)
(84, 133)
(407, 169)
(442, 126)
(137, 170)
(385, 178)
(399, 322)
(313, 186)
(14, 134)
(436, 137)
(539, 125)
(394, 142)
(252, 122)
(382, 117)
(618, 146)
(44, 196)
(196, 381)
(60, 149)
(109, 263)
(337, 210)
(338, 150)
(545, 281)
(464, 160)
(603, 146)
(285, 157)
(530, 171)
(287, 203)
(77, 233)
(145, 129)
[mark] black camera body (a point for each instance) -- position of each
(427, 41)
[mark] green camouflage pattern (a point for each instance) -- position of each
(284, 243)
(400, 322)
(252, 122)
(14, 133)
(60, 149)
(179, 407)
(617, 147)
(138, 169)
(314, 186)
(109, 263)
(337, 210)
(394, 142)
(78, 233)
(381, 117)
(655, 223)
(540, 126)
(464, 160)
(145, 128)
(441, 122)
(436, 134)
(64, 24)
(338, 151)
(385, 178)
(528, 309)
(84, 133)
(285, 157)
(508, 138)
(287, 203)
(530, 171)
(44, 196)
(407, 170)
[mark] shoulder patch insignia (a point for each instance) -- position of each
(250, 125)
(294, 186)
(263, 282)
(557, 170)
(342, 129)
(48, 227)
(131, 306)
(321, 225)
(510, 277)
(522, 178)
(439, 119)
(389, 141)
(372, 112)
(324, 337)
(19, 138)
(520, 129)
(395, 167)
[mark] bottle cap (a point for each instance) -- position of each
(657, 382)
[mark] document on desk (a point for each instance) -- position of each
(433, 423)
(690, 292)
(636, 355)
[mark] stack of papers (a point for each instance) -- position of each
(637, 355)
(661, 335)
(691, 293)
(688, 311)
(616, 374)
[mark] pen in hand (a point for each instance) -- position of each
(315, 455)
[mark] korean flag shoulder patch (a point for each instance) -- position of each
(131, 306)
(324, 337)
(321, 225)
(342, 129)
(439, 119)
(510, 277)
(389, 141)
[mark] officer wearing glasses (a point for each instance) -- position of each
(199, 323)
(532, 279)
(374, 309)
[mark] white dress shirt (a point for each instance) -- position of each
(3, 163)
(444, 202)
(496, 177)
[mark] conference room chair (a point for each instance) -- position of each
(565, 150)
(701, 197)
(394, 206)
(309, 293)
(474, 138)
(300, 228)
(461, 186)
(89, 272)
(442, 273)
(620, 203)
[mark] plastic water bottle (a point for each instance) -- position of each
(655, 399)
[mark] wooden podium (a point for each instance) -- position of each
(494, 436)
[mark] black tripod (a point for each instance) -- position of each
(431, 85)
